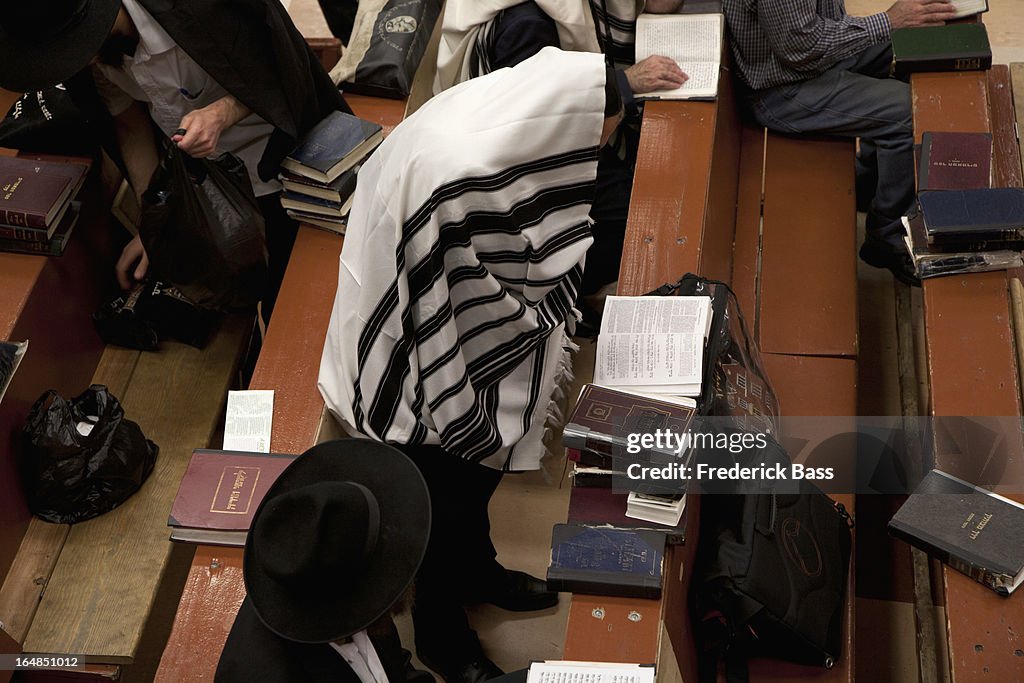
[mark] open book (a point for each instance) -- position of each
(589, 672)
(694, 41)
(653, 344)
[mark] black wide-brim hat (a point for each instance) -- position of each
(46, 42)
(333, 608)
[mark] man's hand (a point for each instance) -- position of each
(910, 13)
(132, 266)
(203, 127)
(655, 73)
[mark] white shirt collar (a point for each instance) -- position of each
(362, 657)
(153, 39)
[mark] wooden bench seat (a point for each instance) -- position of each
(973, 365)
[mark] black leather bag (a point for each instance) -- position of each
(771, 574)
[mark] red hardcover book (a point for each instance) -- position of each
(219, 494)
(33, 193)
(955, 161)
(605, 508)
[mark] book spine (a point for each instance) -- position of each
(23, 219)
(978, 62)
(13, 231)
(53, 247)
(603, 583)
(973, 567)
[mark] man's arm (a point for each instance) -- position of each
(134, 131)
(805, 41)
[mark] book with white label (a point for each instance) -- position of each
(694, 41)
(653, 344)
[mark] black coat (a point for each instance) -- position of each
(253, 50)
(254, 653)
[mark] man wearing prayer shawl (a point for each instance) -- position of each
(462, 262)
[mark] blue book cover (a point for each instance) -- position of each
(606, 561)
(333, 146)
(986, 213)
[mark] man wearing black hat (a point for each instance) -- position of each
(236, 75)
(333, 548)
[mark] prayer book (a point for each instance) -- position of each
(315, 205)
(55, 245)
(605, 561)
(338, 190)
(657, 508)
(953, 47)
(316, 220)
(589, 672)
(972, 529)
(653, 344)
(955, 161)
(967, 8)
(34, 195)
(694, 41)
(989, 214)
(219, 494)
(932, 260)
(11, 354)
(333, 146)
(604, 508)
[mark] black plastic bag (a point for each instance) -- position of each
(401, 32)
(82, 457)
(203, 231)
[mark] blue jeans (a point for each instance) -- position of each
(856, 98)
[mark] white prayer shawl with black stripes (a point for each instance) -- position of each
(462, 261)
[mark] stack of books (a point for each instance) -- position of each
(966, 231)
(961, 224)
(319, 176)
(37, 211)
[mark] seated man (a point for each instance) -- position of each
(809, 67)
(478, 38)
(331, 556)
(246, 83)
(462, 261)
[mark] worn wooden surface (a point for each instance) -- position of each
(808, 273)
(29, 574)
(972, 370)
(1017, 83)
(1006, 167)
(102, 588)
(600, 629)
(746, 264)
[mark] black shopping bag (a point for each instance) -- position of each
(203, 231)
(82, 457)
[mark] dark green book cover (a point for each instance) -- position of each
(969, 528)
(955, 47)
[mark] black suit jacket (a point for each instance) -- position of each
(254, 653)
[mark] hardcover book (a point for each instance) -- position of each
(333, 146)
(955, 161)
(953, 47)
(694, 41)
(603, 418)
(971, 529)
(316, 220)
(604, 508)
(34, 193)
(338, 190)
(623, 562)
(932, 260)
(966, 8)
(51, 247)
(987, 214)
(219, 494)
(326, 207)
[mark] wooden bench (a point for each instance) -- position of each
(972, 363)
(716, 198)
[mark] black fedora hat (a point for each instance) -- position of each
(336, 541)
(45, 42)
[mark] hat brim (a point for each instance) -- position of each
(337, 609)
(30, 63)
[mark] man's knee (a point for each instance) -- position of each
(521, 32)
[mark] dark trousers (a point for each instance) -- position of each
(459, 566)
(281, 233)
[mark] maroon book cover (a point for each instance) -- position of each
(604, 417)
(955, 161)
(33, 192)
(605, 507)
(222, 489)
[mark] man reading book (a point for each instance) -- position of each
(462, 261)
(478, 38)
(231, 76)
(806, 66)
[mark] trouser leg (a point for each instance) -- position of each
(281, 233)
(519, 33)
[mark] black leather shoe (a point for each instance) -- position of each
(478, 669)
(896, 261)
(522, 593)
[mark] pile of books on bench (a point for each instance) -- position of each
(649, 368)
(319, 175)
(37, 207)
(961, 224)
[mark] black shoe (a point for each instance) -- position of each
(897, 261)
(522, 593)
(478, 668)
